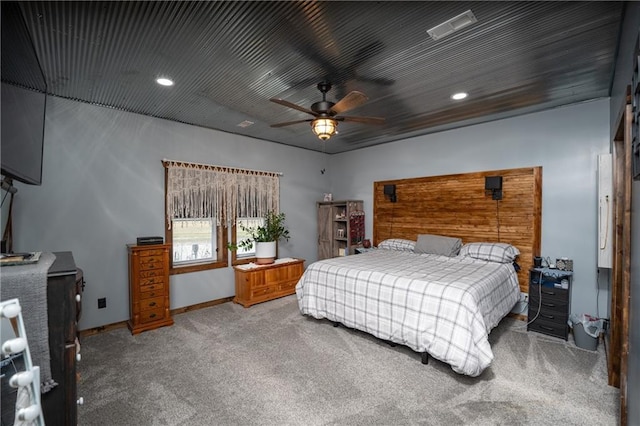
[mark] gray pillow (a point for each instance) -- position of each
(438, 244)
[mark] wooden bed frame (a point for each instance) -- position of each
(459, 206)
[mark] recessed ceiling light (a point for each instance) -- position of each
(246, 123)
(458, 96)
(164, 81)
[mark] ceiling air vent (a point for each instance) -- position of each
(246, 123)
(452, 25)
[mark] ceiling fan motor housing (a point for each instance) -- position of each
(322, 107)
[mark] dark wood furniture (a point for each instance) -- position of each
(266, 282)
(64, 288)
(149, 287)
(549, 302)
(340, 227)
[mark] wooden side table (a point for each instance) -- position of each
(260, 283)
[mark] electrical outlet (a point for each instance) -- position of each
(102, 303)
(524, 297)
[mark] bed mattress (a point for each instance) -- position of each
(443, 305)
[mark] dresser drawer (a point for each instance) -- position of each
(551, 328)
(151, 280)
(548, 304)
(151, 315)
(153, 291)
(152, 265)
(152, 287)
(152, 252)
(287, 285)
(549, 294)
(550, 314)
(152, 303)
(151, 273)
(265, 291)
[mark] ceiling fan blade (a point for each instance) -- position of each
(288, 123)
(352, 100)
(292, 105)
(364, 120)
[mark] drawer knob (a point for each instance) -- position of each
(152, 316)
(152, 304)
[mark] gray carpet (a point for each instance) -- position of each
(269, 365)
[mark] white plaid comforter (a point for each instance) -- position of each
(443, 305)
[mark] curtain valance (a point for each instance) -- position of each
(224, 193)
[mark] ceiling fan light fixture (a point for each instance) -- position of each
(324, 128)
(459, 96)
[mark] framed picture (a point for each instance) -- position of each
(328, 196)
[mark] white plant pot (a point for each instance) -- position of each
(265, 253)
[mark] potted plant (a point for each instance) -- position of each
(265, 237)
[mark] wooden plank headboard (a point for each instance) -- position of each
(459, 206)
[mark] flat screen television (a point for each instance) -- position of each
(23, 116)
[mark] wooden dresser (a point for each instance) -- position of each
(260, 283)
(149, 287)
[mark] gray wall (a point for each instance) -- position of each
(564, 141)
(624, 71)
(103, 185)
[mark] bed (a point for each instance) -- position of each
(443, 306)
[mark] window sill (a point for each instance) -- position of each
(242, 261)
(195, 267)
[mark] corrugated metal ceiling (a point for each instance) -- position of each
(228, 58)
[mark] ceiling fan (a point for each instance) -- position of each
(325, 113)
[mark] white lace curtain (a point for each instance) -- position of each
(225, 193)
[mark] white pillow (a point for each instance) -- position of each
(493, 252)
(397, 244)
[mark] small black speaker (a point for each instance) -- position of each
(389, 190)
(493, 182)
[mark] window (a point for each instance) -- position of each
(194, 240)
(202, 201)
(238, 235)
(196, 245)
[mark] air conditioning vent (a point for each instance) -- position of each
(452, 25)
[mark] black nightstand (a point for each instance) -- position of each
(550, 292)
